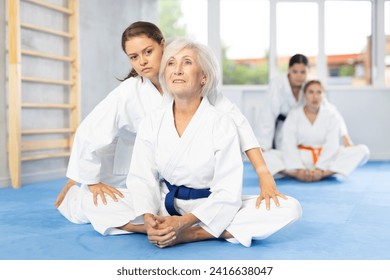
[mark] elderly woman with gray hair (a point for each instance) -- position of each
(185, 179)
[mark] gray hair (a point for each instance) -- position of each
(206, 59)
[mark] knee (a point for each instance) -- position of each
(364, 152)
(294, 208)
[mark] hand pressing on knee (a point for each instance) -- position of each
(102, 190)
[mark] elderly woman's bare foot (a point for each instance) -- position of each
(133, 228)
(191, 234)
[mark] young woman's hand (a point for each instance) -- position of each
(102, 190)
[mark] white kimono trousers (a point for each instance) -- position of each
(280, 100)
(207, 155)
(104, 141)
(323, 134)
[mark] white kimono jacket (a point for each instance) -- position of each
(280, 100)
(207, 155)
(323, 133)
(104, 140)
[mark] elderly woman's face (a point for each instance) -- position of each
(183, 74)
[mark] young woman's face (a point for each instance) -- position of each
(145, 55)
(314, 95)
(183, 74)
(297, 74)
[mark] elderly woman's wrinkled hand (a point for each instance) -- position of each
(159, 233)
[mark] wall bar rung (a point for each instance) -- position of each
(46, 55)
(46, 81)
(47, 131)
(34, 145)
(51, 6)
(46, 30)
(45, 156)
(48, 105)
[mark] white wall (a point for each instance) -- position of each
(366, 112)
(101, 61)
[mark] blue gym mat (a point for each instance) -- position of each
(342, 220)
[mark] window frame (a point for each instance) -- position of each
(378, 39)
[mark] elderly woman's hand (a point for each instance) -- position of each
(159, 233)
(268, 191)
(178, 224)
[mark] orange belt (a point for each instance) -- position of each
(315, 152)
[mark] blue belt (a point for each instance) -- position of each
(182, 192)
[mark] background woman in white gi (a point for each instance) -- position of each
(186, 164)
(310, 143)
(103, 142)
(284, 94)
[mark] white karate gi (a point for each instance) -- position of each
(323, 133)
(104, 141)
(280, 100)
(207, 155)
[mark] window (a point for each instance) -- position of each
(245, 41)
(259, 36)
(183, 18)
(296, 32)
(348, 42)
